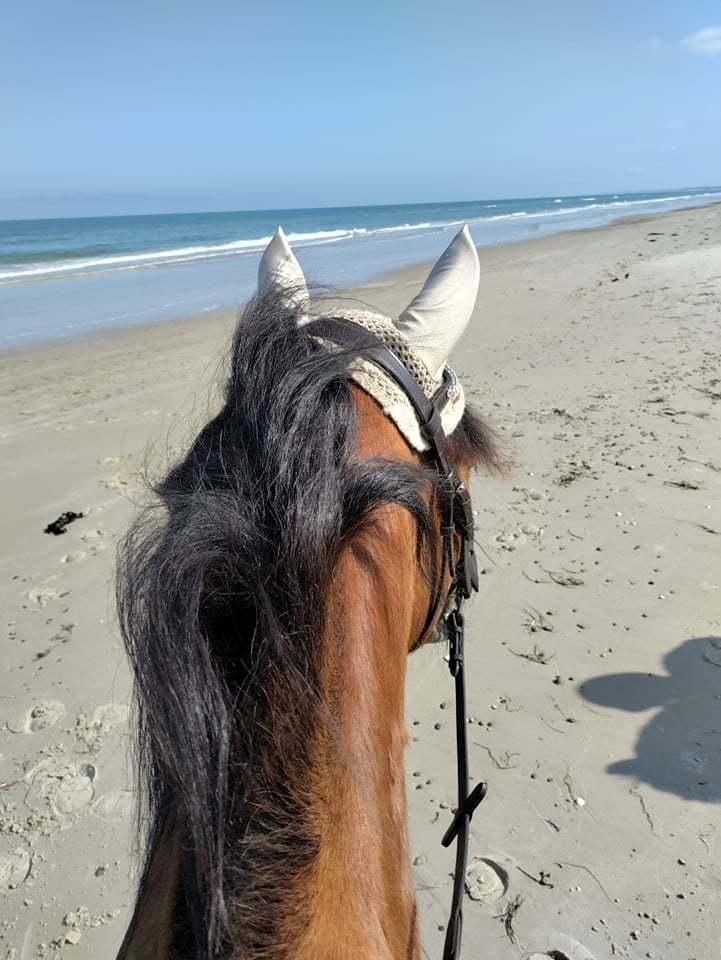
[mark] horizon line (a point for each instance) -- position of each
(359, 206)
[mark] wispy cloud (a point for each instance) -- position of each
(706, 42)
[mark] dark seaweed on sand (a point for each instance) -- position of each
(57, 527)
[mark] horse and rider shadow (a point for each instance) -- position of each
(679, 749)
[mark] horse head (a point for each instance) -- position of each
(298, 551)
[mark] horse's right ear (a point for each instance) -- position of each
(435, 320)
(280, 271)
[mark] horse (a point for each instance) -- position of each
(268, 598)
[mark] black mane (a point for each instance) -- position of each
(221, 589)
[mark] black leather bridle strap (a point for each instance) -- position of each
(457, 515)
(355, 338)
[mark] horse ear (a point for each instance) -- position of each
(279, 270)
(436, 318)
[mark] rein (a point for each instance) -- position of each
(456, 517)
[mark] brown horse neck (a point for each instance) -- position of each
(362, 902)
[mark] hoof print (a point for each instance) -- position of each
(15, 867)
(486, 880)
(44, 715)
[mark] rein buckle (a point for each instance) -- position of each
(456, 633)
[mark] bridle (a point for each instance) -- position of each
(456, 518)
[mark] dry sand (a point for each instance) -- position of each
(594, 648)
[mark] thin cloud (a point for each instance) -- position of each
(706, 42)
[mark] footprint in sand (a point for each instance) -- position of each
(41, 596)
(15, 867)
(95, 539)
(712, 653)
(509, 541)
(91, 731)
(73, 556)
(114, 483)
(117, 805)
(91, 535)
(44, 715)
(66, 788)
(486, 880)
(72, 794)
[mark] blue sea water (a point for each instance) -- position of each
(63, 277)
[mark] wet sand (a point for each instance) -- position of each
(594, 647)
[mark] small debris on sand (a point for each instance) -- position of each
(57, 527)
(509, 915)
(537, 655)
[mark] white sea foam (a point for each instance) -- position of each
(183, 255)
(159, 256)
(207, 252)
(569, 211)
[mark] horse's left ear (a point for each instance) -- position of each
(279, 270)
(436, 318)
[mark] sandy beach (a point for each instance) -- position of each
(594, 646)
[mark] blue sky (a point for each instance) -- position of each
(151, 105)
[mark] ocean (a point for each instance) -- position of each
(64, 277)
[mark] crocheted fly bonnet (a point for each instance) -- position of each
(422, 337)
